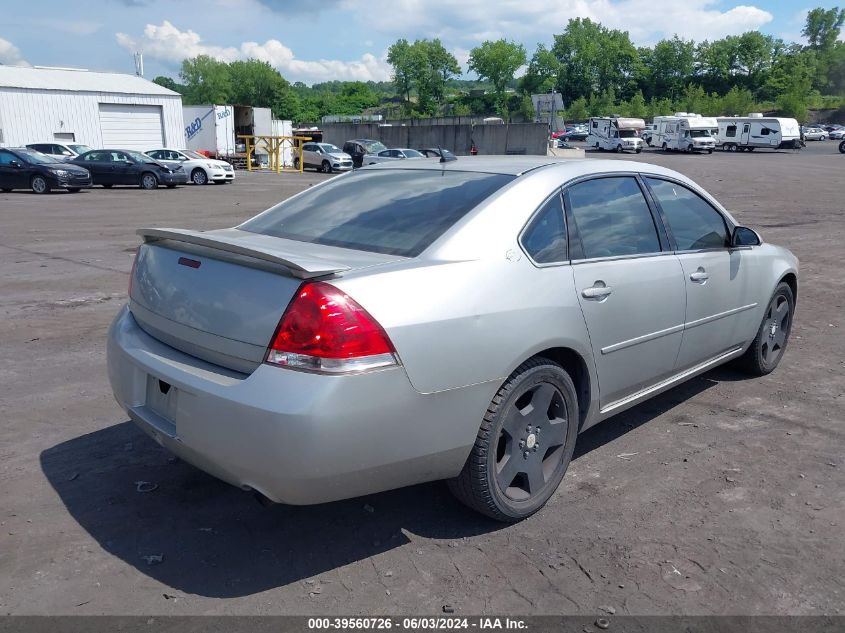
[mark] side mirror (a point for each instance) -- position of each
(743, 236)
(15, 163)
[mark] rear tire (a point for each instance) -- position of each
(39, 184)
(767, 348)
(524, 445)
(6, 190)
(842, 147)
(148, 181)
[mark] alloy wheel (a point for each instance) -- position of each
(776, 329)
(531, 441)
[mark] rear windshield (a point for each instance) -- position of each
(396, 212)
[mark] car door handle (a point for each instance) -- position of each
(699, 276)
(597, 291)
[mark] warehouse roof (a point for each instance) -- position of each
(77, 81)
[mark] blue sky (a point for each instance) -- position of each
(319, 40)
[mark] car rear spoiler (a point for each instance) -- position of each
(302, 267)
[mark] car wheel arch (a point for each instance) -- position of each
(790, 279)
(581, 370)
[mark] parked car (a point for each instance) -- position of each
(201, 169)
(437, 152)
(577, 133)
(389, 155)
(111, 167)
(24, 168)
(561, 144)
(324, 157)
(60, 151)
(436, 328)
(814, 134)
(838, 133)
(359, 148)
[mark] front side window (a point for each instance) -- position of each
(613, 218)
(396, 212)
(545, 238)
(694, 223)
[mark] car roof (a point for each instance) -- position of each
(363, 140)
(567, 168)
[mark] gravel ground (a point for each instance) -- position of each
(722, 496)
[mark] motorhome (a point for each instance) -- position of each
(617, 134)
(685, 132)
(755, 130)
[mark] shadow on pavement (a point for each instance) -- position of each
(216, 541)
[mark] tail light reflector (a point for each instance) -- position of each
(324, 330)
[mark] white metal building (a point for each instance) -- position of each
(39, 105)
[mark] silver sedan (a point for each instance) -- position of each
(419, 321)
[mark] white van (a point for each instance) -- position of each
(618, 134)
(755, 130)
(685, 132)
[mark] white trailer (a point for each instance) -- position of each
(685, 132)
(755, 130)
(214, 129)
(210, 129)
(617, 134)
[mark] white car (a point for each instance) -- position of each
(201, 170)
(838, 133)
(324, 157)
(389, 155)
(60, 151)
(814, 134)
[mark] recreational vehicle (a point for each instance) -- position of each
(755, 130)
(616, 133)
(685, 132)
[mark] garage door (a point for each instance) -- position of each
(136, 127)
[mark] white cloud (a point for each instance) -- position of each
(469, 22)
(10, 54)
(167, 43)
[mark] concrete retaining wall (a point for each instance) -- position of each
(514, 138)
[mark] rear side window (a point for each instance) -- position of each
(730, 130)
(545, 238)
(613, 218)
(694, 223)
(396, 212)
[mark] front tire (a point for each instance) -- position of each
(39, 184)
(767, 348)
(199, 177)
(7, 189)
(524, 445)
(842, 147)
(326, 167)
(148, 181)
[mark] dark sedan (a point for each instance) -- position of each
(110, 167)
(22, 168)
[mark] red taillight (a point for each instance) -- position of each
(325, 330)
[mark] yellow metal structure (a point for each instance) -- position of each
(276, 147)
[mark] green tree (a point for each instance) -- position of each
(542, 73)
(737, 101)
(497, 61)
(822, 28)
(256, 83)
(400, 56)
(637, 106)
(593, 58)
(671, 66)
(577, 110)
(424, 67)
(169, 83)
(206, 80)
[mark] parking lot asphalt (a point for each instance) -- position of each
(725, 495)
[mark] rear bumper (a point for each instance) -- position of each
(296, 437)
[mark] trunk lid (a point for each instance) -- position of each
(219, 295)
